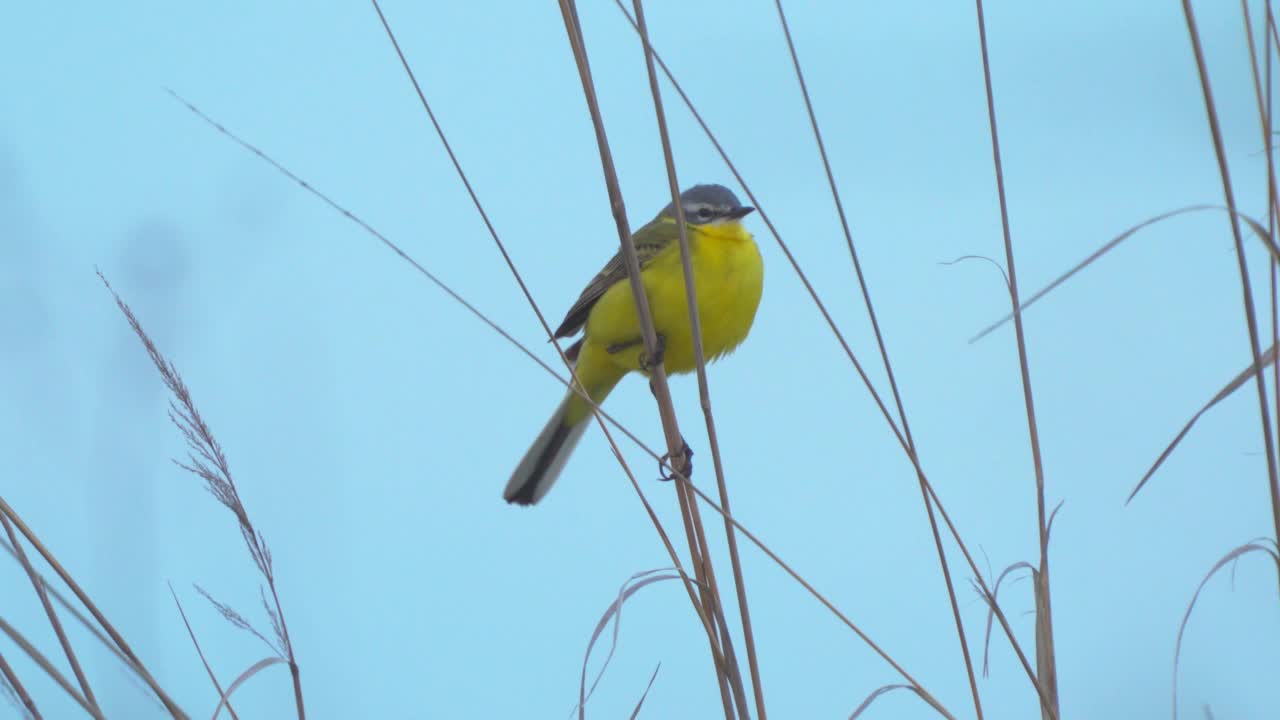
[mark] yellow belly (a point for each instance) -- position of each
(728, 274)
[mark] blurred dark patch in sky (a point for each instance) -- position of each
(24, 310)
(151, 273)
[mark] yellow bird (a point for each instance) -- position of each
(728, 274)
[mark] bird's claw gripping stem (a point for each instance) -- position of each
(685, 465)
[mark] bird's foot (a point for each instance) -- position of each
(685, 464)
(649, 362)
(645, 362)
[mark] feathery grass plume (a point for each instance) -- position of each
(206, 461)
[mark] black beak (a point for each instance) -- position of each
(740, 212)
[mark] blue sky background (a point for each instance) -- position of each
(371, 422)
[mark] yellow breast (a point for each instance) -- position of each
(728, 274)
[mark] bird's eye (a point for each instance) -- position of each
(704, 213)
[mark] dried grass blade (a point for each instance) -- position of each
(1110, 245)
(203, 660)
(1236, 383)
(249, 672)
(645, 694)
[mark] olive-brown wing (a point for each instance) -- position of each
(649, 241)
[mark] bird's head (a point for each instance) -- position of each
(709, 205)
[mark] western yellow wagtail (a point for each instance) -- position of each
(728, 274)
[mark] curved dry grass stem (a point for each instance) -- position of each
(634, 584)
(242, 678)
(704, 391)
(1046, 666)
(876, 694)
(884, 357)
(1267, 546)
(1245, 287)
(43, 663)
(658, 377)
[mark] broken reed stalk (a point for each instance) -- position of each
(884, 357)
(658, 377)
(1245, 286)
(1046, 666)
(704, 392)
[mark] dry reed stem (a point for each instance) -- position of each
(170, 706)
(658, 377)
(603, 418)
(75, 612)
(50, 613)
(640, 703)
(1046, 669)
(704, 391)
(43, 663)
(875, 396)
(1273, 207)
(1245, 288)
(884, 357)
